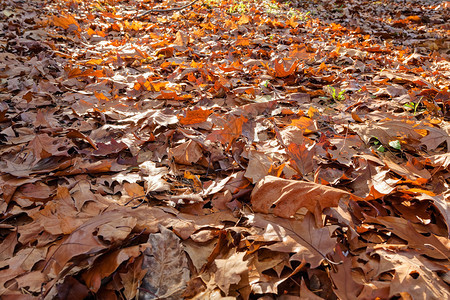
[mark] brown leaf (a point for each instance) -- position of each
(181, 39)
(435, 137)
(56, 224)
(411, 276)
(45, 146)
(166, 263)
(303, 238)
(72, 289)
(107, 264)
(186, 153)
(371, 180)
(133, 278)
(117, 229)
(386, 131)
(82, 241)
(31, 281)
(258, 166)
(35, 191)
(154, 180)
(404, 229)
(346, 287)
(7, 246)
(285, 197)
(112, 147)
(229, 270)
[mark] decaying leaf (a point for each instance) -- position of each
(166, 264)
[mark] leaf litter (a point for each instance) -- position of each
(233, 149)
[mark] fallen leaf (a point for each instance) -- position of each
(166, 263)
(187, 153)
(285, 197)
(229, 270)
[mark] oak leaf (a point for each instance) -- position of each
(304, 238)
(229, 270)
(285, 197)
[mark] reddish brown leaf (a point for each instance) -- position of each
(303, 156)
(285, 197)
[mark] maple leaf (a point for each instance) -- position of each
(230, 132)
(303, 157)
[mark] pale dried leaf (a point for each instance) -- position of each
(166, 263)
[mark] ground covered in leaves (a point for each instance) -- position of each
(235, 149)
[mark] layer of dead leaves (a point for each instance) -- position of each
(236, 149)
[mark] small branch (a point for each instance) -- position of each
(147, 12)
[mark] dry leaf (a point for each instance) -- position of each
(285, 197)
(166, 263)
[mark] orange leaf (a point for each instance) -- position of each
(303, 156)
(171, 95)
(304, 123)
(244, 19)
(281, 72)
(65, 21)
(195, 116)
(241, 41)
(231, 131)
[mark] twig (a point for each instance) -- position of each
(134, 198)
(147, 12)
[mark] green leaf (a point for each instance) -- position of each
(381, 149)
(395, 144)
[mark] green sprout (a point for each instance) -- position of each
(395, 144)
(413, 106)
(376, 142)
(337, 96)
(381, 148)
(240, 8)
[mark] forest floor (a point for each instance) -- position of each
(231, 150)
